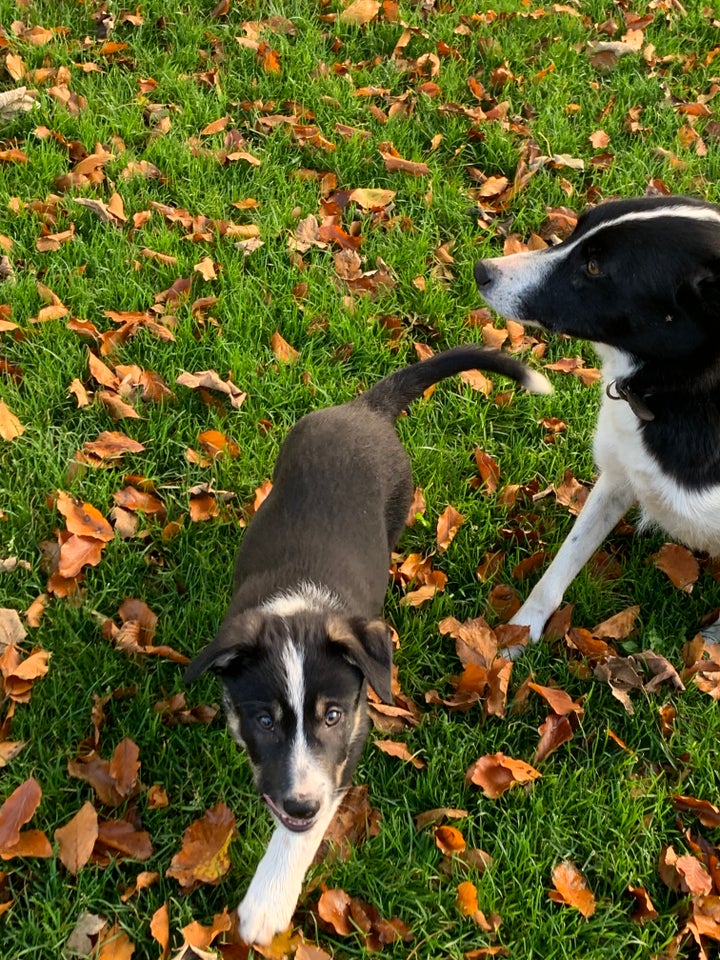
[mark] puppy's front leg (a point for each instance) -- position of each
(604, 508)
(268, 906)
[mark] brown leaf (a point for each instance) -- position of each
(496, 773)
(488, 469)
(17, 810)
(360, 12)
(448, 524)
(282, 349)
(708, 813)
(449, 840)
(679, 564)
(644, 908)
(160, 930)
(10, 426)
(115, 945)
(210, 380)
(118, 839)
(560, 701)
(619, 626)
(200, 936)
(84, 519)
(401, 751)
(203, 857)
(433, 817)
(355, 820)
(78, 552)
(571, 888)
(554, 732)
(124, 767)
(77, 838)
(215, 443)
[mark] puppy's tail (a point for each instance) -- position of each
(395, 392)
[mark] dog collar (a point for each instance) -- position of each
(623, 392)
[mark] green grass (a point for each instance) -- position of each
(607, 810)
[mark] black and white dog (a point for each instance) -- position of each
(640, 279)
(302, 636)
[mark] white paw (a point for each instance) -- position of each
(529, 615)
(260, 919)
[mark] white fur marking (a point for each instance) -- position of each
(304, 596)
(307, 778)
(272, 896)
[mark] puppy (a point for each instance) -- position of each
(302, 636)
(640, 279)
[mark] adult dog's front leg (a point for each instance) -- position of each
(604, 508)
(268, 906)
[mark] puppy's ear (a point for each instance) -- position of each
(368, 645)
(237, 635)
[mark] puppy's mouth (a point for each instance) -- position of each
(294, 824)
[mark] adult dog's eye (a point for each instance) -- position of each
(593, 267)
(333, 716)
(266, 722)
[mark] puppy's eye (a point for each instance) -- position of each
(266, 722)
(593, 267)
(333, 716)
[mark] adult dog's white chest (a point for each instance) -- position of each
(692, 517)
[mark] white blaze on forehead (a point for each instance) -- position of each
(306, 776)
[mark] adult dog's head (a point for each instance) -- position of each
(295, 698)
(641, 275)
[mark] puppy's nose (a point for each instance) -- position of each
(482, 274)
(301, 808)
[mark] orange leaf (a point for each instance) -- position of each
(78, 552)
(496, 773)
(77, 838)
(160, 929)
(448, 524)
(399, 750)
(571, 888)
(679, 564)
(17, 810)
(449, 840)
(10, 426)
(203, 857)
(282, 349)
(85, 520)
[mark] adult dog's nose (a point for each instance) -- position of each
(482, 274)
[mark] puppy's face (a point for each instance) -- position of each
(641, 275)
(295, 698)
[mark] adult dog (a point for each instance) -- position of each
(302, 636)
(640, 279)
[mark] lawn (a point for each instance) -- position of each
(177, 200)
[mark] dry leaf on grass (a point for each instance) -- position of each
(203, 857)
(76, 839)
(496, 773)
(571, 889)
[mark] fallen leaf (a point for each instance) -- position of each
(496, 773)
(282, 349)
(203, 857)
(10, 426)
(571, 889)
(448, 524)
(679, 564)
(77, 839)
(401, 751)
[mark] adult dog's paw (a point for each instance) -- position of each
(259, 919)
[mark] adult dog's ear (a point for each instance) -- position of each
(368, 645)
(702, 289)
(238, 634)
